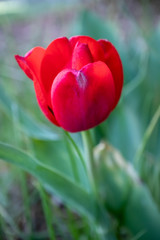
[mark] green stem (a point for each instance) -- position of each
(147, 136)
(76, 148)
(88, 149)
(47, 211)
(73, 161)
(102, 224)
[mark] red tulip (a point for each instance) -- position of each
(78, 82)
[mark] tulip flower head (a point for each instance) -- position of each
(77, 81)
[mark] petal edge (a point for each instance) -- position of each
(113, 61)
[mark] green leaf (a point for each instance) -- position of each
(59, 158)
(124, 128)
(34, 129)
(125, 195)
(27, 123)
(150, 167)
(5, 101)
(56, 151)
(141, 214)
(71, 193)
(146, 137)
(92, 25)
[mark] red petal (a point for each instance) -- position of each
(31, 62)
(83, 99)
(55, 58)
(42, 101)
(81, 56)
(34, 59)
(114, 63)
(24, 66)
(95, 49)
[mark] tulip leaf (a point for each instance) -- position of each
(138, 211)
(42, 136)
(122, 129)
(59, 158)
(55, 182)
(27, 124)
(92, 25)
(34, 129)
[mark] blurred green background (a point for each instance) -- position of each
(134, 28)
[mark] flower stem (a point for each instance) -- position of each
(76, 148)
(146, 137)
(102, 223)
(73, 161)
(90, 164)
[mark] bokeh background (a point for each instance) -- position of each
(134, 28)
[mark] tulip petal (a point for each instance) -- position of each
(81, 56)
(43, 103)
(95, 48)
(24, 66)
(55, 58)
(31, 62)
(83, 99)
(114, 63)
